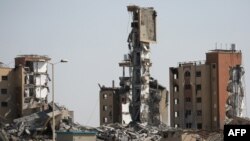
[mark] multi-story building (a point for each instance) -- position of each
(8, 97)
(34, 83)
(198, 90)
(24, 88)
(112, 101)
(109, 105)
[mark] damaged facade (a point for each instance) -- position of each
(25, 112)
(198, 90)
(236, 95)
(34, 86)
(141, 98)
(24, 88)
(113, 101)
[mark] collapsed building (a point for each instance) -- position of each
(198, 92)
(25, 111)
(140, 98)
(113, 104)
(140, 104)
(24, 89)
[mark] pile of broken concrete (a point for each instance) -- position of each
(133, 132)
(38, 126)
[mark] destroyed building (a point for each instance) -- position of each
(24, 88)
(25, 112)
(141, 102)
(236, 95)
(112, 99)
(140, 98)
(198, 90)
(34, 87)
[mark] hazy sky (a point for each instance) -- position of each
(92, 35)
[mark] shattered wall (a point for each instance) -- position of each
(34, 88)
(140, 37)
(141, 98)
(235, 88)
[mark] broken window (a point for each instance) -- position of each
(105, 108)
(31, 92)
(188, 125)
(105, 96)
(187, 86)
(199, 112)
(138, 58)
(124, 100)
(199, 125)
(187, 113)
(213, 66)
(188, 99)
(176, 88)
(198, 73)
(175, 73)
(187, 74)
(105, 120)
(198, 99)
(176, 114)
(5, 77)
(4, 104)
(4, 91)
(198, 87)
(175, 76)
(176, 101)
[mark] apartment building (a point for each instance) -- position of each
(198, 90)
(24, 88)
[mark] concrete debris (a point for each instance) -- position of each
(37, 126)
(135, 132)
(144, 132)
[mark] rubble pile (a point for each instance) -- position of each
(138, 132)
(38, 126)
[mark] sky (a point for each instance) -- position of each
(92, 35)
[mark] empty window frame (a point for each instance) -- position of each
(199, 126)
(198, 87)
(198, 99)
(176, 88)
(175, 73)
(198, 73)
(176, 101)
(176, 114)
(4, 104)
(175, 76)
(4, 77)
(213, 66)
(105, 108)
(124, 100)
(187, 74)
(187, 113)
(105, 120)
(188, 125)
(4, 91)
(105, 96)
